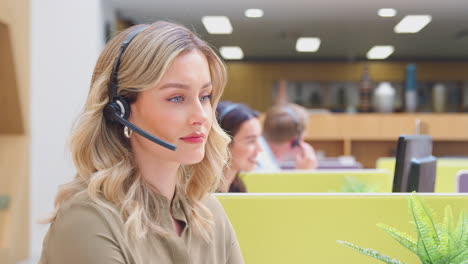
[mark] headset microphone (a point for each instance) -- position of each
(118, 109)
(295, 141)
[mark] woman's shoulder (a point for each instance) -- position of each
(212, 203)
(215, 207)
(82, 230)
(82, 211)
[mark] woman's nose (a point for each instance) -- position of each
(199, 113)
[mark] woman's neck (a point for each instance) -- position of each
(160, 174)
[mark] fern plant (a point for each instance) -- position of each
(353, 185)
(436, 243)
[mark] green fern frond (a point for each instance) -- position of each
(354, 185)
(403, 238)
(371, 253)
(462, 227)
(459, 256)
(446, 244)
(428, 238)
(447, 222)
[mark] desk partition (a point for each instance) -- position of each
(304, 228)
(309, 181)
(446, 172)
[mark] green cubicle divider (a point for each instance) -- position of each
(446, 172)
(307, 181)
(304, 228)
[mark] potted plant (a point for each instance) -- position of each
(436, 243)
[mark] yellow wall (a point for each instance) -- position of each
(251, 82)
(14, 128)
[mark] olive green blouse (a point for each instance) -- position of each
(87, 233)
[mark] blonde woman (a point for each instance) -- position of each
(148, 152)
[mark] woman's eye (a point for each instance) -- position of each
(176, 99)
(205, 98)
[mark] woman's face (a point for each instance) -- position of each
(246, 146)
(177, 110)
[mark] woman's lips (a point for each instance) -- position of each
(194, 138)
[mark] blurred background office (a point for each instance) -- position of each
(344, 61)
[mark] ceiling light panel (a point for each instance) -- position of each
(231, 52)
(387, 12)
(306, 44)
(380, 52)
(412, 23)
(253, 12)
(217, 24)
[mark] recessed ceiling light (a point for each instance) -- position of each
(412, 23)
(387, 12)
(380, 52)
(253, 12)
(307, 44)
(231, 52)
(217, 24)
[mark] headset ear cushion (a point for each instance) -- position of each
(110, 110)
(119, 106)
(124, 107)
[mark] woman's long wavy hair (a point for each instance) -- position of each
(106, 170)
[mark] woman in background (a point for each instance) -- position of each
(242, 124)
(148, 152)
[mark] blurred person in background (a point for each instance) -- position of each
(283, 142)
(242, 124)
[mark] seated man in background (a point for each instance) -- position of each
(283, 139)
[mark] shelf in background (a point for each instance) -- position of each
(370, 136)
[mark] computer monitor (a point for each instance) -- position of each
(422, 174)
(415, 166)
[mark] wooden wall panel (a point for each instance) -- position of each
(14, 128)
(11, 118)
(331, 148)
(370, 136)
(14, 222)
(386, 126)
(367, 152)
(450, 148)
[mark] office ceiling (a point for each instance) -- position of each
(347, 28)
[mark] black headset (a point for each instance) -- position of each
(118, 109)
(293, 115)
(228, 109)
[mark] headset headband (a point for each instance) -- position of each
(294, 117)
(114, 78)
(226, 111)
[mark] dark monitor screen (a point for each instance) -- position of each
(422, 174)
(415, 165)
